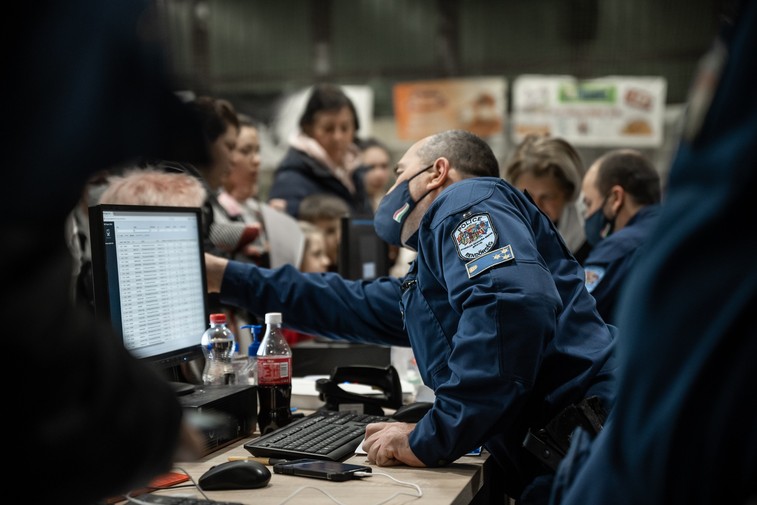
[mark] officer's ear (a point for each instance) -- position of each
(616, 198)
(442, 174)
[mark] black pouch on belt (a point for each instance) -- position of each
(550, 444)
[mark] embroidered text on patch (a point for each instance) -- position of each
(474, 236)
(487, 261)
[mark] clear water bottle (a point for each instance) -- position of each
(274, 377)
(249, 373)
(218, 345)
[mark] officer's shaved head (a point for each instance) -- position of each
(469, 154)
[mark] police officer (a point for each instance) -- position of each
(684, 426)
(494, 308)
(622, 200)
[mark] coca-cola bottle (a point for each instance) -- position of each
(274, 377)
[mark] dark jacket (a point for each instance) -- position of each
(611, 260)
(300, 175)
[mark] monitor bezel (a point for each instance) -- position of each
(101, 295)
(350, 265)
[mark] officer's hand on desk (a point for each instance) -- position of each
(387, 444)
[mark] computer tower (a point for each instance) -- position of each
(224, 413)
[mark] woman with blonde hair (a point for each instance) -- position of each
(550, 170)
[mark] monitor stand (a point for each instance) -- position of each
(182, 388)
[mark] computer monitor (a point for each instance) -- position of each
(148, 273)
(362, 254)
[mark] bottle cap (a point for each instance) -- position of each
(217, 318)
(273, 318)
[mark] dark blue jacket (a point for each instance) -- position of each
(495, 310)
(299, 175)
(610, 261)
(684, 426)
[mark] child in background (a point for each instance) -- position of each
(314, 258)
(325, 212)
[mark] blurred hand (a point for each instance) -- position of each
(214, 269)
(191, 443)
(387, 444)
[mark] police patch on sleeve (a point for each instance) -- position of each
(594, 274)
(487, 261)
(474, 236)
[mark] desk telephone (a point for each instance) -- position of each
(385, 379)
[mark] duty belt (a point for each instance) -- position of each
(550, 444)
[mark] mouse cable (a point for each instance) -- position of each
(137, 501)
(362, 474)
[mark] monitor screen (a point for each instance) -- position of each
(148, 273)
(362, 254)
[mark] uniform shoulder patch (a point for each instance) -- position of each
(487, 261)
(474, 236)
(594, 274)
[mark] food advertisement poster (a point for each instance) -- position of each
(422, 108)
(611, 111)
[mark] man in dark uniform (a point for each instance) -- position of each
(684, 426)
(622, 199)
(494, 308)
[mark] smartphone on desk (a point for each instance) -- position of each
(320, 469)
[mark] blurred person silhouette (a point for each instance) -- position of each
(551, 171)
(322, 157)
(326, 212)
(375, 168)
(239, 197)
(621, 195)
(111, 424)
(683, 429)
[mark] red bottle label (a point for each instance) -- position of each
(274, 370)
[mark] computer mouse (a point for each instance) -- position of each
(412, 412)
(235, 475)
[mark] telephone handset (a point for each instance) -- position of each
(385, 379)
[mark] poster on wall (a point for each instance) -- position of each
(477, 104)
(612, 111)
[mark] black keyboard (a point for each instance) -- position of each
(180, 500)
(328, 435)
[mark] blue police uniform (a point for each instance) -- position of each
(495, 310)
(611, 259)
(683, 427)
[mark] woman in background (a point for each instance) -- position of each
(551, 171)
(322, 156)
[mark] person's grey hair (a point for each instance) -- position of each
(149, 186)
(548, 157)
(468, 153)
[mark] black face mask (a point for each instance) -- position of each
(392, 212)
(597, 226)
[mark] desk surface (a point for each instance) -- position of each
(455, 484)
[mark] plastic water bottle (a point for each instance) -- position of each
(218, 346)
(274, 377)
(249, 373)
